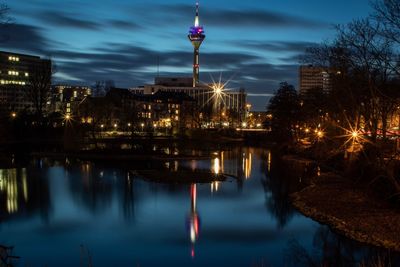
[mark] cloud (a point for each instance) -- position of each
(244, 18)
(277, 46)
(125, 63)
(69, 21)
(21, 37)
(123, 24)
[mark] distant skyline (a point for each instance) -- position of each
(256, 43)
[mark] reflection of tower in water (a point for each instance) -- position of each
(193, 219)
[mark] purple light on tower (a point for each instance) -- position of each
(196, 36)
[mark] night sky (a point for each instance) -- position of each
(254, 43)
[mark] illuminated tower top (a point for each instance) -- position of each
(196, 36)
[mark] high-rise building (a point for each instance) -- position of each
(17, 73)
(196, 36)
(312, 77)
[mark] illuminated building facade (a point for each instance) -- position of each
(230, 103)
(165, 109)
(66, 98)
(125, 109)
(196, 36)
(16, 72)
(312, 77)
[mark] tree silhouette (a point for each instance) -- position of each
(285, 110)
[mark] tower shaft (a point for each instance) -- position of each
(196, 66)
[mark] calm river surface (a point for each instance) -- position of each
(71, 213)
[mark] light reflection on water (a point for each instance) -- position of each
(51, 210)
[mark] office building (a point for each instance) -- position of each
(312, 77)
(20, 73)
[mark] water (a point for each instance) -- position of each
(71, 213)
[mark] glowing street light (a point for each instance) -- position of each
(102, 126)
(115, 125)
(129, 124)
(13, 115)
(320, 134)
(218, 88)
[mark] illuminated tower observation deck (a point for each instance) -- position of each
(196, 37)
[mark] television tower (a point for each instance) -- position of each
(196, 37)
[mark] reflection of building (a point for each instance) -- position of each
(315, 77)
(194, 219)
(17, 71)
(13, 189)
(241, 167)
(237, 163)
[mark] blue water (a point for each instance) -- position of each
(72, 213)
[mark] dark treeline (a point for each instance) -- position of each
(359, 115)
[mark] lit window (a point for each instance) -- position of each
(13, 73)
(11, 58)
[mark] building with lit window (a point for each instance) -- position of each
(312, 77)
(122, 108)
(16, 73)
(209, 99)
(166, 109)
(66, 98)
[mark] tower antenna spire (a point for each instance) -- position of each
(196, 36)
(197, 20)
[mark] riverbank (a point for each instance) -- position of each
(337, 202)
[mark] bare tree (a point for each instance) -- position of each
(388, 12)
(100, 88)
(5, 20)
(38, 92)
(363, 60)
(371, 59)
(4, 17)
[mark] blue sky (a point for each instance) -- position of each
(256, 43)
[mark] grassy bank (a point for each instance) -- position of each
(351, 211)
